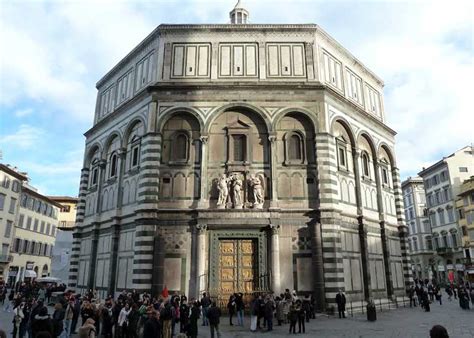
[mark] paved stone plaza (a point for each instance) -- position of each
(402, 322)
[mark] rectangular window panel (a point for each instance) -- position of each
(190, 61)
(273, 58)
(238, 68)
(285, 60)
(239, 148)
(178, 61)
(251, 61)
(225, 60)
(8, 229)
(298, 61)
(332, 69)
(203, 60)
(12, 205)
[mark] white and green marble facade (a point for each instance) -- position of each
(324, 225)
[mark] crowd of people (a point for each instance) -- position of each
(425, 292)
(134, 315)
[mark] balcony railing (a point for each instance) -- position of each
(444, 250)
(6, 258)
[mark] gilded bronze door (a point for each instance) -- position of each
(237, 268)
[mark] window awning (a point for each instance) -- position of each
(30, 274)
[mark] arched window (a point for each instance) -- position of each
(429, 243)
(179, 151)
(135, 155)
(454, 239)
(342, 153)
(181, 147)
(365, 165)
(133, 146)
(294, 152)
(294, 146)
(113, 165)
(94, 170)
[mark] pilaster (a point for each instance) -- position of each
(317, 264)
(275, 257)
(144, 248)
(148, 186)
(201, 233)
(93, 258)
(402, 227)
(122, 153)
(364, 253)
(100, 183)
(383, 234)
(203, 198)
(273, 154)
(327, 169)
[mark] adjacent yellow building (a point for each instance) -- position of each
(10, 189)
(465, 207)
(67, 213)
(35, 234)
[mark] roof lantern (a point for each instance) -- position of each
(239, 15)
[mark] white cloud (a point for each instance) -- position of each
(23, 112)
(422, 49)
(25, 137)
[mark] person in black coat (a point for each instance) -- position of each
(341, 304)
(193, 320)
(214, 315)
(152, 328)
(231, 308)
(42, 324)
(425, 300)
(107, 320)
(269, 308)
(183, 315)
(58, 317)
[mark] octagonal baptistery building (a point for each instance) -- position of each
(241, 158)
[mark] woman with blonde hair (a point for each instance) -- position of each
(58, 318)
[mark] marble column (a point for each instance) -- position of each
(317, 265)
(364, 253)
(275, 258)
(114, 256)
(383, 232)
(364, 248)
(93, 257)
(273, 163)
(204, 198)
(76, 241)
(123, 158)
(201, 232)
(402, 227)
(102, 175)
(157, 275)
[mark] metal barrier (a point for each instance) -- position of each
(381, 303)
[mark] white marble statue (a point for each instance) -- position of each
(257, 189)
(223, 191)
(237, 191)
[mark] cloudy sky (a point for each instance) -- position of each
(53, 52)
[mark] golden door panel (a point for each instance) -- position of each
(247, 247)
(237, 267)
(227, 247)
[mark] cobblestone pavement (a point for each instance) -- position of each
(402, 322)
